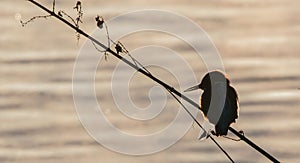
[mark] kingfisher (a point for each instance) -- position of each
(219, 101)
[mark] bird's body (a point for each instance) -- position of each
(219, 101)
(229, 112)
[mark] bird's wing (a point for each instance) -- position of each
(231, 105)
(205, 102)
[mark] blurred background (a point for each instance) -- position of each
(257, 40)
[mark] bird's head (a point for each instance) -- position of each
(211, 78)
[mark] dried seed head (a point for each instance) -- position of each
(99, 21)
(78, 5)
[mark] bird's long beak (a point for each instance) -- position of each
(192, 88)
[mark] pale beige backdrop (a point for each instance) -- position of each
(258, 42)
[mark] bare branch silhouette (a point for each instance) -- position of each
(33, 18)
(53, 6)
(61, 13)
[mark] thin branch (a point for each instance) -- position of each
(53, 6)
(101, 51)
(107, 34)
(230, 138)
(136, 62)
(33, 18)
(120, 48)
(78, 19)
(256, 147)
(198, 123)
(100, 22)
(38, 17)
(62, 13)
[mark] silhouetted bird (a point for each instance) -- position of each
(219, 101)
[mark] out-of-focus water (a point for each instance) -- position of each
(259, 45)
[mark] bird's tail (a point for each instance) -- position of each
(221, 129)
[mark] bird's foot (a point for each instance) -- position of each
(213, 133)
